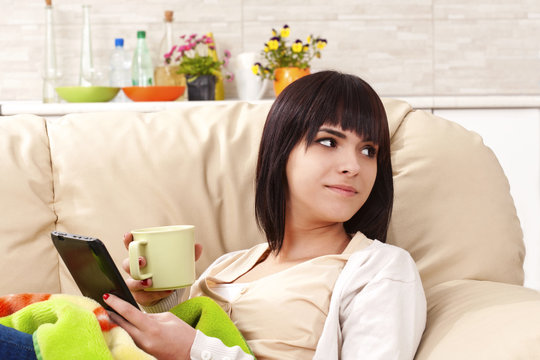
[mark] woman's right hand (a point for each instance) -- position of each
(146, 298)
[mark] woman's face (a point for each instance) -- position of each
(330, 180)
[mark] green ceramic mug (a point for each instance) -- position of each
(170, 256)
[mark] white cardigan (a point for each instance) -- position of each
(377, 311)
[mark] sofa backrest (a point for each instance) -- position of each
(453, 210)
(27, 215)
(114, 172)
(103, 174)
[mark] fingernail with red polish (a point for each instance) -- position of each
(105, 296)
(140, 261)
(144, 282)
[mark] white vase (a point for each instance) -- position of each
(248, 85)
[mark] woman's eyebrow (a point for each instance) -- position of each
(334, 132)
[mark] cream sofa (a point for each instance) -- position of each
(102, 174)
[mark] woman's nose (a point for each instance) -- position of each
(350, 163)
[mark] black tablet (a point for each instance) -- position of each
(92, 267)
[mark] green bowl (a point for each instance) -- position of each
(87, 93)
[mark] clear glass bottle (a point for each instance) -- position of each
(166, 73)
(119, 69)
(166, 43)
(49, 65)
(142, 70)
(86, 74)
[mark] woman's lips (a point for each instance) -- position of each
(343, 189)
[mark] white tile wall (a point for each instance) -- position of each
(421, 47)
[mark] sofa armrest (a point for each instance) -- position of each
(469, 319)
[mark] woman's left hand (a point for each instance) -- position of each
(162, 335)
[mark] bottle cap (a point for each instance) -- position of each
(119, 42)
(48, 2)
(141, 34)
(169, 15)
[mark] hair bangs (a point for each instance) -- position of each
(349, 103)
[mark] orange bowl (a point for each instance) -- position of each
(154, 93)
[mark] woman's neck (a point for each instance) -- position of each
(301, 244)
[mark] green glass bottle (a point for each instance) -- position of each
(142, 69)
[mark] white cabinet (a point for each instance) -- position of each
(514, 137)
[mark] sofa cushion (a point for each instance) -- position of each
(28, 257)
(470, 320)
(453, 210)
(452, 203)
(114, 172)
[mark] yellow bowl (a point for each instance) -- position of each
(87, 93)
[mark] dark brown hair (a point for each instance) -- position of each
(332, 98)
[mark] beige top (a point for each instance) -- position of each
(295, 301)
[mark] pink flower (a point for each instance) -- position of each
(169, 54)
(226, 58)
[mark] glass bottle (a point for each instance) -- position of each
(166, 72)
(142, 70)
(49, 66)
(166, 43)
(119, 69)
(220, 91)
(86, 73)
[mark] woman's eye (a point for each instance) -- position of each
(327, 142)
(369, 151)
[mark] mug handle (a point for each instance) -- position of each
(134, 254)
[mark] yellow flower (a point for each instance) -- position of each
(297, 46)
(273, 44)
(321, 44)
(255, 69)
(279, 52)
(285, 32)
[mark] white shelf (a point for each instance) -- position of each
(418, 102)
(58, 109)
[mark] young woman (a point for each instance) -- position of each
(319, 288)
